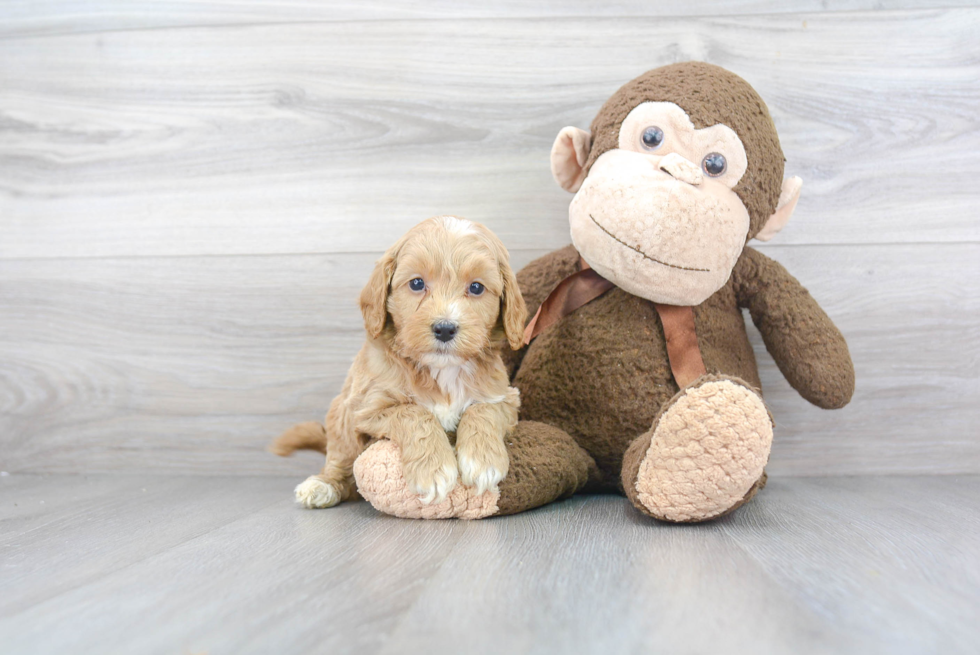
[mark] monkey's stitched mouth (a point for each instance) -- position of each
(653, 259)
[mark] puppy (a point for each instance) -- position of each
(439, 305)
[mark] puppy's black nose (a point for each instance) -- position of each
(445, 331)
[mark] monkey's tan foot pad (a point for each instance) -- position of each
(705, 455)
(378, 472)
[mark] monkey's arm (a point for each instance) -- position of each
(806, 345)
(536, 281)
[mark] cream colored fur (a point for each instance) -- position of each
(409, 387)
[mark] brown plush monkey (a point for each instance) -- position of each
(639, 377)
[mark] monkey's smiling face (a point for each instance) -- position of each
(657, 216)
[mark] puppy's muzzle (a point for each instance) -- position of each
(445, 331)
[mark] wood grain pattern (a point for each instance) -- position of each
(331, 137)
(821, 565)
(193, 364)
(137, 517)
(47, 17)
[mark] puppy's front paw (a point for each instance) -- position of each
(433, 474)
(314, 493)
(483, 463)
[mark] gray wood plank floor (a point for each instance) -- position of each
(143, 564)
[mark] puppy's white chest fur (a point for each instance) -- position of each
(452, 382)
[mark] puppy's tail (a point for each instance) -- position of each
(304, 436)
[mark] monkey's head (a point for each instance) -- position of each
(682, 167)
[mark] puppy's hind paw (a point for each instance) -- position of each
(314, 493)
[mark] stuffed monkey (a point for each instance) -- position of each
(637, 376)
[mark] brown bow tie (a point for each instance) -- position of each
(586, 285)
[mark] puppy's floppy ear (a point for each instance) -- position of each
(374, 296)
(513, 311)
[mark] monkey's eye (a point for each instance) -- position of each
(476, 289)
(418, 284)
(652, 137)
(714, 164)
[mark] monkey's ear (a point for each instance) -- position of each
(788, 198)
(374, 296)
(568, 157)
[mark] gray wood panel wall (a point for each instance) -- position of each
(192, 194)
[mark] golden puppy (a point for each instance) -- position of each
(437, 308)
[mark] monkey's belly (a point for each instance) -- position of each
(602, 373)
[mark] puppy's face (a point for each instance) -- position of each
(447, 285)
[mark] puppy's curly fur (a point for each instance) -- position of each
(409, 386)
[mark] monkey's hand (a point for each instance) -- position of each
(806, 345)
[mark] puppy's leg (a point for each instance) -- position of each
(480, 449)
(545, 465)
(335, 483)
(428, 462)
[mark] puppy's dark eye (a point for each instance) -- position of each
(418, 284)
(714, 164)
(652, 137)
(476, 289)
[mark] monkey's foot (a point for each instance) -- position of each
(380, 481)
(705, 455)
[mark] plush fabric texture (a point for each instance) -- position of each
(546, 465)
(706, 453)
(711, 95)
(602, 374)
(654, 234)
(378, 471)
(808, 348)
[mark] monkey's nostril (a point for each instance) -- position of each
(445, 331)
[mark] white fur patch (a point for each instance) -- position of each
(453, 312)
(451, 373)
(475, 474)
(443, 482)
(441, 360)
(452, 381)
(314, 493)
(457, 226)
